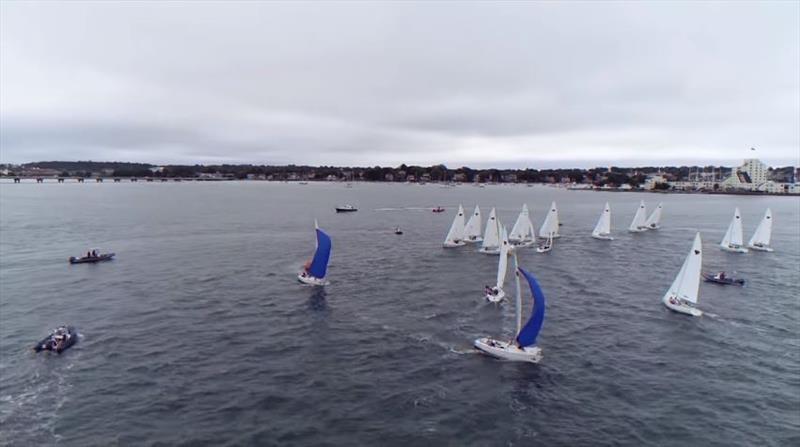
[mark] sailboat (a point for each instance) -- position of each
(654, 221)
(472, 232)
(638, 225)
(733, 237)
(545, 246)
(455, 237)
(523, 348)
(682, 294)
(491, 236)
(551, 224)
(314, 271)
(760, 239)
(603, 228)
(496, 294)
(522, 233)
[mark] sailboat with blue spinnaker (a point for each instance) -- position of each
(314, 271)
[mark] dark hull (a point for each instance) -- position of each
(346, 210)
(724, 282)
(93, 260)
(45, 344)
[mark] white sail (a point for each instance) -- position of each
(473, 229)
(733, 237)
(654, 221)
(502, 265)
(491, 237)
(638, 223)
(456, 233)
(523, 228)
(550, 225)
(603, 227)
(687, 284)
(763, 232)
(518, 300)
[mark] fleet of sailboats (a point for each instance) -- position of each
(603, 228)
(761, 238)
(732, 241)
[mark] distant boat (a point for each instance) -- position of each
(551, 223)
(522, 233)
(639, 224)
(398, 231)
(304, 183)
(721, 278)
(523, 348)
(545, 246)
(603, 228)
(654, 221)
(496, 294)
(314, 271)
(682, 294)
(455, 237)
(91, 258)
(472, 232)
(763, 234)
(733, 237)
(58, 341)
(346, 209)
(491, 236)
(438, 209)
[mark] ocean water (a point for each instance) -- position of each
(199, 334)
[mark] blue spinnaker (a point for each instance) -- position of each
(319, 265)
(527, 336)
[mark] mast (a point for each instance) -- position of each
(519, 296)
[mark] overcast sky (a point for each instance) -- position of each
(478, 84)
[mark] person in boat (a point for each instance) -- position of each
(94, 253)
(674, 301)
(489, 290)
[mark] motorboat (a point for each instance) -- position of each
(346, 209)
(438, 209)
(91, 258)
(61, 339)
(721, 278)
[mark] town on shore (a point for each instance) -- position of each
(752, 177)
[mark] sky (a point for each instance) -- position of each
(494, 84)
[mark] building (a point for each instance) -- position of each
(752, 175)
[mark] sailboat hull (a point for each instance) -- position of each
(603, 237)
(733, 249)
(508, 351)
(495, 298)
(474, 241)
(544, 249)
(454, 244)
(637, 230)
(490, 251)
(760, 248)
(310, 280)
(654, 227)
(682, 308)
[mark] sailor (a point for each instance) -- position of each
(721, 275)
(94, 253)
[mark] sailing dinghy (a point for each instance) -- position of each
(760, 239)
(455, 237)
(523, 348)
(682, 294)
(638, 225)
(654, 221)
(550, 225)
(522, 233)
(496, 294)
(546, 246)
(491, 237)
(472, 232)
(314, 271)
(603, 228)
(733, 237)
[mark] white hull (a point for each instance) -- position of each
(495, 298)
(454, 244)
(310, 280)
(508, 351)
(654, 227)
(637, 230)
(543, 249)
(760, 248)
(523, 244)
(477, 240)
(733, 249)
(681, 307)
(603, 237)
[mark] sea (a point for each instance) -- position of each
(198, 333)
